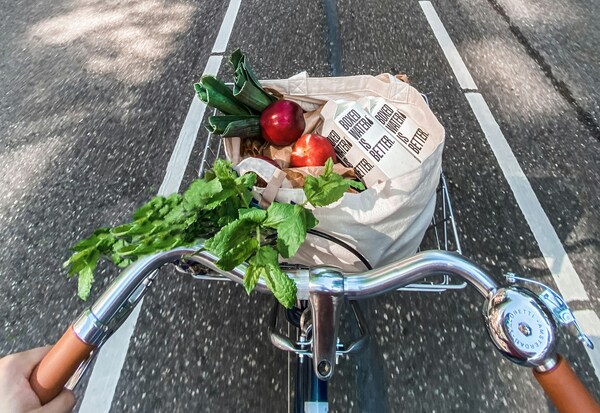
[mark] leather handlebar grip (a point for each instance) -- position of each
(56, 368)
(565, 390)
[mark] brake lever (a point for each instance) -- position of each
(559, 309)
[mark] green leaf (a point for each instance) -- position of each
(77, 266)
(230, 235)
(166, 243)
(174, 199)
(251, 277)
(224, 170)
(150, 208)
(86, 276)
(247, 181)
(357, 185)
(265, 264)
(121, 230)
(326, 188)
(216, 207)
(146, 228)
(77, 256)
(177, 215)
(91, 242)
(125, 263)
(126, 250)
(116, 258)
(310, 219)
(278, 213)
(199, 192)
(283, 288)
(253, 214)
(107, 240)
(258, 266)
(237, 254)
(290, 222)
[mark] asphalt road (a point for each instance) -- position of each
(93, 95)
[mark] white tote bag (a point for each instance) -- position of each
(387, 221)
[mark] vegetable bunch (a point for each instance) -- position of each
(217, 208)
(241, 107)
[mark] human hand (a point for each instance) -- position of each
(16, 395)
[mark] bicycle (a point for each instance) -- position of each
(521, 324)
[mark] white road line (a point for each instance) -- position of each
(558, 261)
(101, 387)
(226, 27)
(104, 378)
(107, 368)
(456, 63)
(187, 137)
(590, 323)
(556, 257)
(567, 280)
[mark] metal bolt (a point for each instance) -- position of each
(324, 368)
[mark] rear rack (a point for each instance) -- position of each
(442, 233)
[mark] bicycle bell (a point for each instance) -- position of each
(521, 326)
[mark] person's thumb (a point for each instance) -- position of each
(63, 403)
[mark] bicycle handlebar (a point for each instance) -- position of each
(513, 315)
(565, 390)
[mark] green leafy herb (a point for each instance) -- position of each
(264, 264)
(165, 223)
(291, 222)
(216, 208)
(328, 187)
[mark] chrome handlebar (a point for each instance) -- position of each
(518, 321)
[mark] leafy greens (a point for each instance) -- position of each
(216, 208)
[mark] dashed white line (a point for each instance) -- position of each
(105, 375)
(226, 27)
(187, 137)
(566, 278)
(590, 323)
(456, 63)
(104, 378)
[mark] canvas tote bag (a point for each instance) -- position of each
(387, 221)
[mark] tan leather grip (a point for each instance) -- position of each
(56, 368)
(565, 390)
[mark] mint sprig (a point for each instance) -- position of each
(216, 208)
(328, 187)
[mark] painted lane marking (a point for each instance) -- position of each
(105, 375)
(590, 323)
(564, 274)
(187, 137)
(558, 261)
(226, 27)
(457, 64)
(110, 360)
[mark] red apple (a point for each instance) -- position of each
(311, 150)
(282, 122)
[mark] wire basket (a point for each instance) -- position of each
(442, 233)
